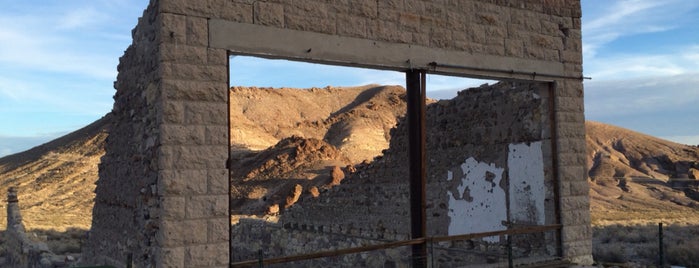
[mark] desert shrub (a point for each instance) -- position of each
(614, 253)
(684, 254)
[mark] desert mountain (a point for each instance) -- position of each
(291, 142)
(55, 181)
(636, 176)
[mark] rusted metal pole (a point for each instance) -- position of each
(415, 83)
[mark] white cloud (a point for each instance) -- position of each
(641, 95)
(631, 17)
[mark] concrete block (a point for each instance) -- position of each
(195, 72)
(567, 130)
(207, 255)
(182, 134)
(216, 135)
(206, 113)
(197, 31)
(271, 14)
(173, 28)
(182, 182)
(178, 233)
(186, 90)
(219, 230)
(183, 53)
(207, 206)
(217, 56)
(184, 157)
(173, 208)
(572, 159)
(571, 203)
(356, 26)
(218, 181)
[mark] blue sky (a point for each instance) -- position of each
(58, 62)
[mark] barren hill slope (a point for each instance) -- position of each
(630, 176)
(56, 180)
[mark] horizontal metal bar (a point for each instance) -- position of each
(331, 253)
(525, 230)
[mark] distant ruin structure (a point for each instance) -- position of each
(162, 199)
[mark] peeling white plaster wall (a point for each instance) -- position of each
(525, 170)
(484, 207)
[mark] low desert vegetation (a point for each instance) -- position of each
(638, 244)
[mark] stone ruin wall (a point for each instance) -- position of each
(477, 129)
(164, 173)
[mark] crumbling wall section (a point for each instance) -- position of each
(490, 169)
(20, 250)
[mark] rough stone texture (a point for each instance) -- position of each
(478, 123)
(168, 146)
(20, 250)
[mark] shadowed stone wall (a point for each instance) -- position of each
(162, 194)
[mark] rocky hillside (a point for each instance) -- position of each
(636, 176)
(56, 180)
(310, 138)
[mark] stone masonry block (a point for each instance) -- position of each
(577, 249)
(183, 53)
(185, 90)
(271, 14)
(571, 117)
(217, 135)
(197, 31)
(572, 145)
(218, 181)
(390, 4)
(571, 57)
(576, 232)
(178, 233)
(192, 157)
(357, 28)
(173, 112)
(569, 104)
(217, 56)
(579, 188)
(171, 257)
(219, 229)
(364, 8)
(222, 9)
(514, 48)
(195, 72)
(207, 206)
(312, 24)
(570, 88)
(567, 130)
(572, 203)
(573, 173)
(207, 255)
(173, 28)
(572, 159)
(207, 113)
(182, 134)
(182, 182)
(173, 208)
(576, 217)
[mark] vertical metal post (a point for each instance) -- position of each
(510, 262)
(415, 83)
(661, 255)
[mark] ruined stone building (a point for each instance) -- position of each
(163, 193)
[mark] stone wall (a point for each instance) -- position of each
(20, 250)
(480, 132)
(164, 172)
